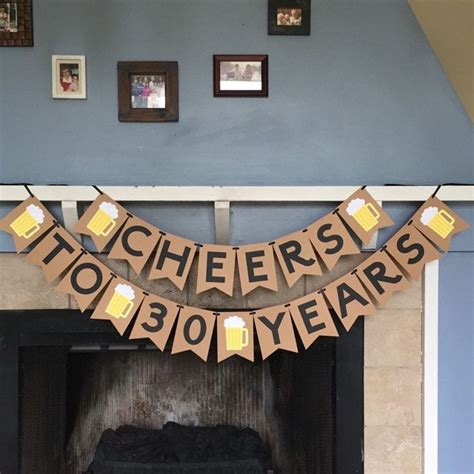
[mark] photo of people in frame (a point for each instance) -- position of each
(8, 18)
(148, 92)
(289, 16)
(69, 78)
(241, 75)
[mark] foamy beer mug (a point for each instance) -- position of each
(236, 335)
(103, 221)
(365, 214)
(28, 222)
(438, 220)
(121, 302)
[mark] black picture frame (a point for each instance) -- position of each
(125, 72)
(218, 59)
(19, 18)
(304, 29)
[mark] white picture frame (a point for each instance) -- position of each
(68, 76)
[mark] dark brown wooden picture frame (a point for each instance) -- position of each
(23, 36)
(127, 69)
(304, 29)
(220, 58)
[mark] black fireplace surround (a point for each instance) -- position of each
(318, 394)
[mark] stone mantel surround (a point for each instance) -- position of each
(392, 350)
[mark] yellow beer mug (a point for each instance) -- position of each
(103, 221)
(236, 335)
(28, 222)
(365, 214)
(121, 302)
(438, 220)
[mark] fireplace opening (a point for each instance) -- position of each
(76, 380)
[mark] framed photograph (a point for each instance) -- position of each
(69, 77)
(16, 23)
(148, 91)
(292, 17)
(241, 75)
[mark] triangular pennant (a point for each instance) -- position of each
(194, 331)
(235, 335)
(155, 320)
(119, 303)
(256, 267)
(363, 215)
(102, 220)
(275, 330)
(216, 267)
(135, 243)
(27, 223)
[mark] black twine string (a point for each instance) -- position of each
(97, 189)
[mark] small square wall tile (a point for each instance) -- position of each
(392, 396)
(23, 286)
(392, 338)
(392, 449)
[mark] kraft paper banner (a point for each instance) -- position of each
(216, 268)
(119, 303)
(173, 260)
(194, 331)
(85, 280)
(256, 267)
(363, 215)
(55, 253)
(381, 276)
(331, 240)
(155, 320)
(235, 335)
(296, 257)
(312, 318)
(102, 220)
(349, 299)
(412, 250)
(27, 222)
(438, 222)
(135, 243)
(275, 330)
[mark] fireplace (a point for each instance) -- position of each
(66, 379)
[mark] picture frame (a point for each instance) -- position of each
(240, 75)
(68, 76)
(148, 91)
(16, 23)
(289, 17)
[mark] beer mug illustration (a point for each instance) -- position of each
(28, 223)
(236, 335)
(103, 221)
(121, 302)
(365, 214)
(438, 220)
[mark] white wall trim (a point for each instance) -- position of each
(430, 367)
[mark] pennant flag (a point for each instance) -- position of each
(411, 250)
(438, 222)
(173, 260)
(85, 280)
(363, 215)
(102, 220)
(381, 276)
(274, 330)
(155, 320)
(331, 240)
(27, 222)
(256, 267)
(216, 268)
(194, 331)
(136, 242)
(119, 304)
(312, 318)
(349, 299)
(235, 336)
(296, 257)
(55, 253)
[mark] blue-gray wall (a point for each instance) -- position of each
(363, 100)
